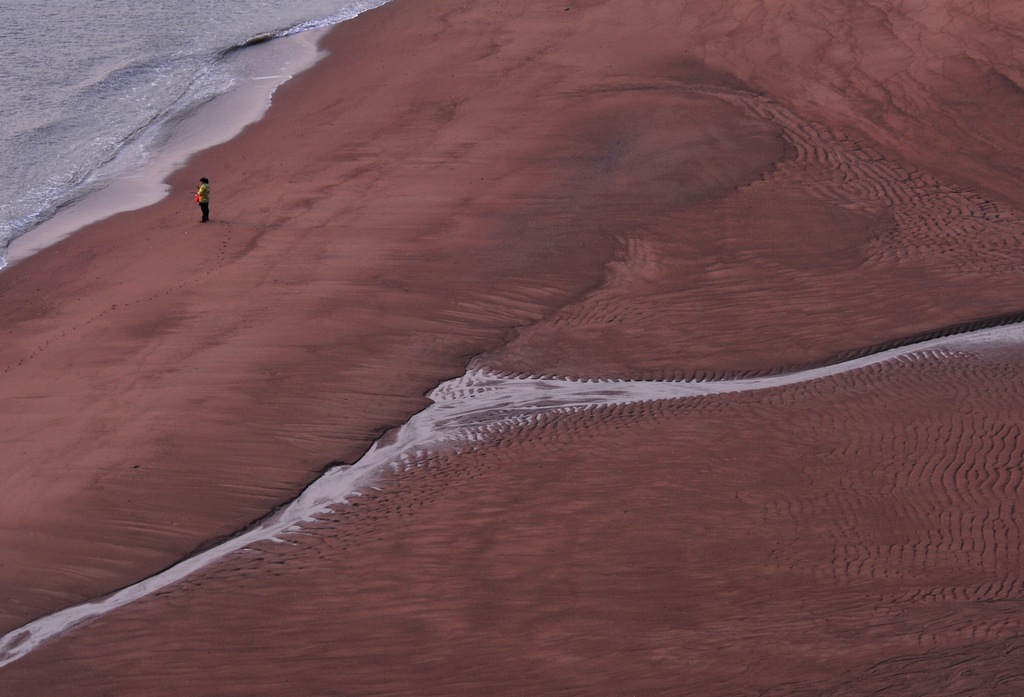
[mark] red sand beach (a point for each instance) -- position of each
(587, 190)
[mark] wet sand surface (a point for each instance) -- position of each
(581, 190)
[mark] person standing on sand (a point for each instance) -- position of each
(203, 198)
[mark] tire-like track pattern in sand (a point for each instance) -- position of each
(909, 220)
(930, 219)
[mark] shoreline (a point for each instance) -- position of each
(217, 121)
(128, 296)
(588, 192)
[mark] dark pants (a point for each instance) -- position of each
(205, 208)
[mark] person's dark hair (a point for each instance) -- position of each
(204, 180)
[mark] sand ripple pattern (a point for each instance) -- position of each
(480, 405)
(922, 216)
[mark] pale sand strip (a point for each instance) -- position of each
(463, 411)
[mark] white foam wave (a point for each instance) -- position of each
(466, 410)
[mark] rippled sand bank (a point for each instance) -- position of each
(587, 190)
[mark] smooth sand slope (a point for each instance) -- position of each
(582, 190)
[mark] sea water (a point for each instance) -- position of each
(89, 89)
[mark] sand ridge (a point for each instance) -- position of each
(475, 408)
(588, 190)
